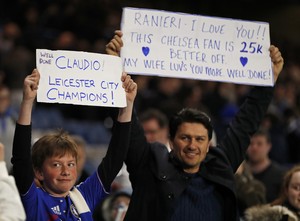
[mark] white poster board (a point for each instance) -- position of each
(170, 44)
(80, 78)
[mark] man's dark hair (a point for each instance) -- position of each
(156, 114)
(263, 133)
(190, 115)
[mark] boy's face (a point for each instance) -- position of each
(191, 144)
(58, 174)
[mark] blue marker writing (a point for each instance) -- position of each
(83, 64)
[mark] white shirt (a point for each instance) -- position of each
(11, 208)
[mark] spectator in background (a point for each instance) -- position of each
(113, 208)
(11, 208)
(8, 118)
(81, 159)
(286, 207)
(165, 96)
(277, 131)
(156, 126)
(293, 135)
(10, 34)
(262, 167)
(250, 191)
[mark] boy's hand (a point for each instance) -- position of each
(277, 61)
(30, 87)
(115, 44)
(129, 86)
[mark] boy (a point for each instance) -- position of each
(53, 163)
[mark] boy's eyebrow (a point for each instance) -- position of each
(59, 159)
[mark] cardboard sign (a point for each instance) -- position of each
(81, 78)
(181, 45)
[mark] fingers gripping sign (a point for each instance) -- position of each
(115, 44)
(277, 61)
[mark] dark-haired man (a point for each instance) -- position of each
(193, 182)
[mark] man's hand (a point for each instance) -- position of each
(277, 61)
(115, 44)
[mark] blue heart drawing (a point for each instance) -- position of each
(244, 60)
(145, 50)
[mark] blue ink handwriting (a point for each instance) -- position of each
(83, 64)
(71, 82)
(55, 94)
(130, 62)
(157, 21)
(154, 64)
(187, 55)
(212, 28)
(141, 38)
(178, 66)
(186, 42)
(252, 48)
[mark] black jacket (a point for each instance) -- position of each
(158, 180)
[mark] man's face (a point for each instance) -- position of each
(258, 149)
(58, 174)
(153, 132)
(190, 145)
(293, 191)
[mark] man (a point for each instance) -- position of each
(193, 182)
(155, 125)
(263, 169)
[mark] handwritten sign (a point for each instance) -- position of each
(80, 78)
(180, 45)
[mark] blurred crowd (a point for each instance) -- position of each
(87, 26)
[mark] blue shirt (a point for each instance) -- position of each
(42, 206)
